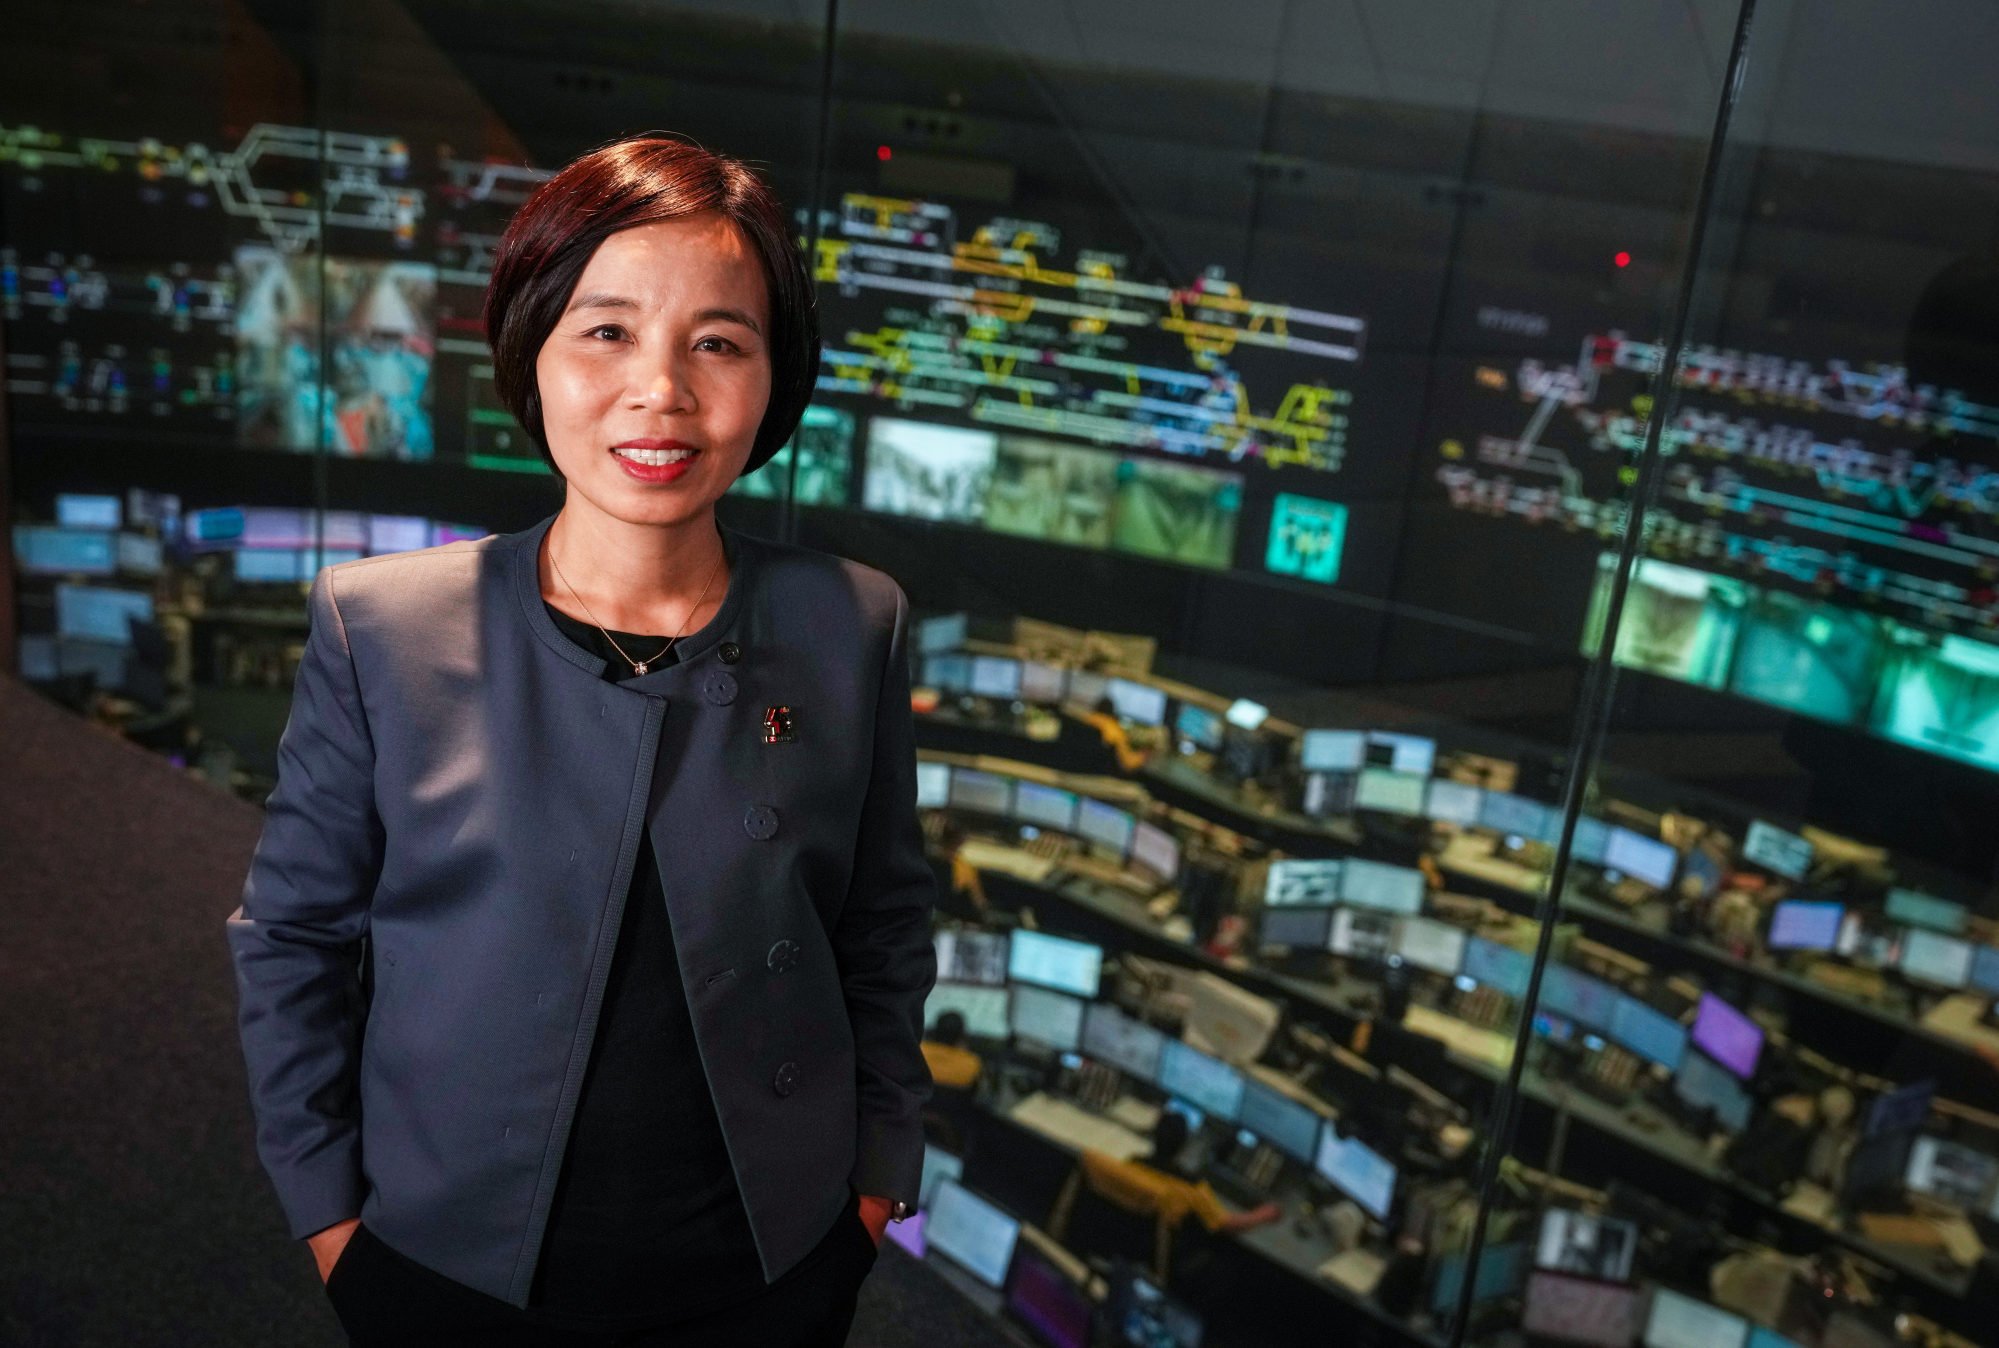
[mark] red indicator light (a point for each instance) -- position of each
(882, 152)
(1622, 259)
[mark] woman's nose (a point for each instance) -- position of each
(664, 388)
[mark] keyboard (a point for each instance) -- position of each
(1077, 1128)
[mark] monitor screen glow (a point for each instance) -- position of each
(1580, 1310)
(1044, 806)
(1137, 702)
(1209, 1084)
(1390, 792)
(1332, 750)
(1302, 884)
(938, 1165)
(1105, 825)
(95, 613)
(1289, 1125)
(971, 1232)
(43, 550)
(995, 676)
(1358, 1171)
(1246, 714)
(945, 633)
(967, 956)
(1048, 1018)
(1131, 1046)
(1677, 1321)
(984, 1008)
(1055, 962)
(1403, 753)
(1586, 1245)
(74, 511)
(1926, 910)
(983, 792)
(1728, 1036)
(1642, 858)
(933, 786)
(1650, 1033)
(1375, 884)
(1299, 928)
(1774, 849)
(1054, 1309)
(1503, 812)
(1199, 726)
(1361, 934)
(1930, 958)
(1805, 924)
(1450, 802)
(1042, 682)
(1155, 849)
(1702, 1084)
(1429, 944)
(1498, 966)
(1578, 996)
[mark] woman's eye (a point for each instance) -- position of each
(715, 344)
(617, 333)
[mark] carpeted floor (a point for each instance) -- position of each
(132, 1207)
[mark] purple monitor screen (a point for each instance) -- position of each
(1802, 924)
(1054, 1308)
(1726, 1035)
(908, 1233)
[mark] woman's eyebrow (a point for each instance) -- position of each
(598, 299)
(729, 316)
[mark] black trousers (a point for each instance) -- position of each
(387, 1300)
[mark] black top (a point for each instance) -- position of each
(647, 1224)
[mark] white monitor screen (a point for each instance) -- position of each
(1774, 849)
(1041, 682)
(1303, 928)
(965, 956)
(1930, 958)
(995, 676)
(93, 613)
(1503, 812)
(938, 1166)
(1209, 1084)
(1450, 802)
(1650, 1033)
(1677, 1321)
(1249, 715)
(1087, 688)
(89, 512)
(1110, 1036)
(1429, 944)
(1389, 791)
(1302, 884)
(1586, 1245)
(1924, 910)
(1286, 1124)
(1357, 1170)
(1155, 849)
(969, 1231)
(984, 1008)
(933, 785)
(1641, 858)
(1048, 1018)
(1404, 753)
(1332, 750)
(985, 792)
(396, 533)
(1046, 806)
(1361, 934)
(1805, 924)
(1105, 825)
(1375, 884)
(1949, 1171)
(1139, 702)
(1055, 962)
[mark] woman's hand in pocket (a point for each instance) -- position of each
(874, 1215)
(327, 1245)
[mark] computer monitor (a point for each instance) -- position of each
(95, 613)
(1042, 682)
(1926, 910)
(1430, 944)
(938, 1165)
(1450, 802)
(1578, 996)
(1591, 841)
(948, 673)
(1156, 850)
(1105, 825)
(1131, 1046)
(1985, 969)
(1289, 1125)
(1245, 714)
(1198, 726)
(1650, 1033)
(1517, 816)
(1208, 1083)
(44, 550)
(1951, 1172)
(1048, 1303)
(396, 533)
(1644, 859)
(1299, 928)
(1498, 966)
(1044, 806)
(982, 792)
(1727, 1035)
(1378, 885)
(77, 511)
(1087, 688)
(908, 1233)
(971, 956)
(141, 554)
(1390, 792)
(1902, 1110)
(1055, 962)
(1137, 702)
(1805, 924)
(1403, 753)
(1760, 1337)
(1930, 958)
(1332, 751)
(1143, 1316)
(1228, 1021)
(1048, 1018)
(1775, 849)
(1502, 1271)
(972, 1233)
(1361, 934)
(1580, 1310)
(933, 785)
(995, 676)
(1302, 884)
(1702, 1083)
(1676, 1321)
(1586, 1245)
(1356, 1170)
(984, 1008)
(946, 632)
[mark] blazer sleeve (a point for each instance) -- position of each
(295, 939)
(883, 946)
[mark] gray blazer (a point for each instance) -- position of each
(459, 784)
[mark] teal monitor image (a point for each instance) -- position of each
(1816, 659)
(938, 1165)
(984, 792)
(1295, 883)
(1332, 750)
(1498, 966)
(933, 785)
(1650, 1033)
(1291, 1126)
(984, 1008)
(1357, 1170)
(1677, 1321)
(1044, 806)
(1378, 885)
(926, 471)
(971, 1232)
(1926, 910)
(1132, 1046)
(75, 510)
(1048, 1018)
(1774, 849)
(1306, 538)
(1942, 695)
(1928, 957)
(1450, 802)
(1502, 1271)
(45, 550)
(1105, 825)
(1198, 726)
(1207, 1083)
(1390, 792)
(1055, 962)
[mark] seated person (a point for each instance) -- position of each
(1157, 1183)
(952, 1065)
(1112, 732)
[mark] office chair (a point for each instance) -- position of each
(1118, 1220)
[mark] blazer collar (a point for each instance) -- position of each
(526, 551)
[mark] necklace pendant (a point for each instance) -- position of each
(639, 668)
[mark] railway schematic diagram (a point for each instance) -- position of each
(991, 329)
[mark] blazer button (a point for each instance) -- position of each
(786, 1080)
(720, 688)
(761, 822)
(730, 652)
(782, 957)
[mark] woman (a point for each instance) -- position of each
(583, 955)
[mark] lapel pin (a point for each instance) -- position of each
(778, 728)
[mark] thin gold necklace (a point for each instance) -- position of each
(639, 666)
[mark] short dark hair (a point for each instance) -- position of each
(949, 1029)
(640, 180)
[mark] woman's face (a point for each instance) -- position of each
(655, 379)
